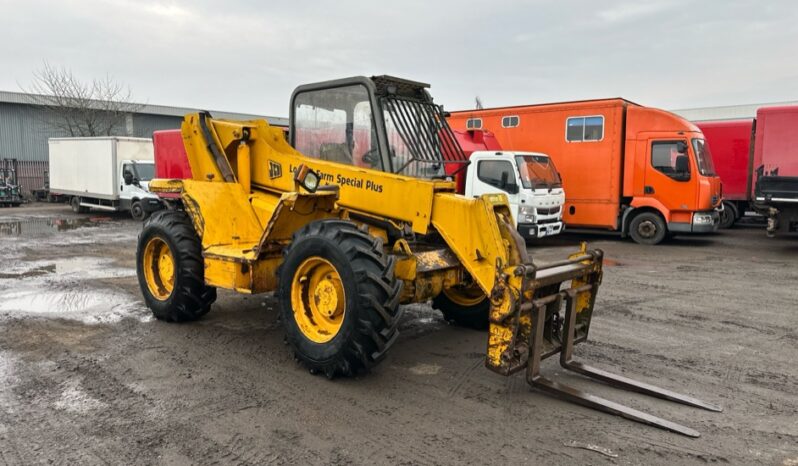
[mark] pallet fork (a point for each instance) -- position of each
(560, 319)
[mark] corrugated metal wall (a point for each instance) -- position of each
(24, 130)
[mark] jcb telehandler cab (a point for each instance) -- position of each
(356, 219)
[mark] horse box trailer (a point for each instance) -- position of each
(104, 173)
(641, 171)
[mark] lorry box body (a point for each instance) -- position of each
(775, 167)
(92, 166)
(617, 159)
(776, 142)
(92, 171)
(730, 143)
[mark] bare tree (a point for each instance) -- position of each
(81, 108)
(478, 103)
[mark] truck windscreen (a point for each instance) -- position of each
(703, 158)
(537, 171)
(144, 171)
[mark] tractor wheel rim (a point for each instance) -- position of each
(465, 296)
(318, 299)
(647, 229)
(159, 268)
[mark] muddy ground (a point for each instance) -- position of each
(88, 377)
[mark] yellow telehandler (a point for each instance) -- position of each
(355, 217)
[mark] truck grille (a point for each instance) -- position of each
(550, 211)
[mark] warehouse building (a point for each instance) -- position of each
(25, 126)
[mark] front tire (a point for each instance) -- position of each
(466, 307)
(728, 216)
(339, 298)
(648, 228)
(137, 211)
(171, 270)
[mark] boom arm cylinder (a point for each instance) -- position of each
(244, 166)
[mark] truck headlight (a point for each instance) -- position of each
(702, 219)
(526, 214)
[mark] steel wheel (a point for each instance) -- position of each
(137, 211)
(466, 306)
(159, 268)
(465, 296)
(318, 299)
(647, 228)
(170, 268)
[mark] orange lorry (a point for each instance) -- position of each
(641, 171)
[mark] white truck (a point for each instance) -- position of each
(531, 183)
(104, 173)
(528, 179)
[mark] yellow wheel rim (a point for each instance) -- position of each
(159, 268)
(465, 296)
(318, 299)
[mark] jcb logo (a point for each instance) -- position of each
(275, 170)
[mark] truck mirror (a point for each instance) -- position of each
(512, 188)
(681, 147)
(128, 177)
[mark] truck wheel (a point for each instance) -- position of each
(466, 307)
(137, 211)
(647, 228)
(170, 268)
(76, 207)
(728, 216)
(339, 298)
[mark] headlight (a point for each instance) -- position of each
(526, 214)
(702, 219)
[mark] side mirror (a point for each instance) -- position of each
(512, 188)
(681, 147)
(128, 177)
(503, 180)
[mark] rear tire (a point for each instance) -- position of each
(355, 332)
(76, 207)
(728, 215)
(168, 243)
(471, 313)
(647, 228)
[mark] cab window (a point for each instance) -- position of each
(337, 125)
(499, 174)
(670, 158)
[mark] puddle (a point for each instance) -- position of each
(96, 306)
(70, 267)
(36, 226)
(67, 288)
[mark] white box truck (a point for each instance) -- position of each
(104, 173)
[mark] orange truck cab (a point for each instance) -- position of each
(643, 172)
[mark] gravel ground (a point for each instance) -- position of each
(88, 377)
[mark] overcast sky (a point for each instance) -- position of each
(247, 56)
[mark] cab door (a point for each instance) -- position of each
(671, 175)
(497, 176)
